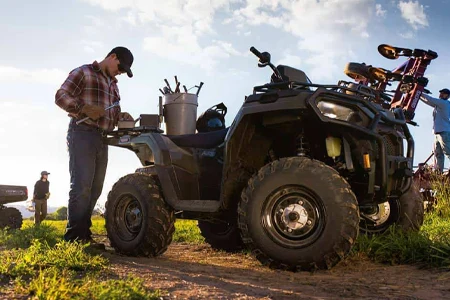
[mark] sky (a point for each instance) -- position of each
(199, 41)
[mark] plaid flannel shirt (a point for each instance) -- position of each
(88, 85)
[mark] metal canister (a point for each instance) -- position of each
(180, 113)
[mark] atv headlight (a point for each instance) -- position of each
(336, 111)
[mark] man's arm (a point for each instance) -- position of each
(67, 97)
(433, 102)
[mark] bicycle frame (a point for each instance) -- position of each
(412, 83)
(413, 71)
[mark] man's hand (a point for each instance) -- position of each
(124, 116)
(93, 111)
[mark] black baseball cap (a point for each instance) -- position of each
(445, 91)
(45, 173)
(125, 57)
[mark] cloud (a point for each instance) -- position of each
(379, 11)
(179, 26)
(182, 45)
(413, 13)
(91, 46)
(327, 30)
(257, 12)
(196, 13)
(407, 35)
(46, 76)
(112, 5)
(291, 60)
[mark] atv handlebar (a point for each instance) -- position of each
(256, 52)
(264, 60)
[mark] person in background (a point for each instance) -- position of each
(40, 196)
(87, 92)
(441, 126)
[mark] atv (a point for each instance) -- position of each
(300, 172)
(11, 217)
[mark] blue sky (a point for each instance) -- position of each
(197, 41)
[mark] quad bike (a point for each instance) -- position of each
(300, 172)
(9, 216)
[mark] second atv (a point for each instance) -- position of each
(10, 217)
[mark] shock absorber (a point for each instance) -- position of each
(302, 145)
(272, 155)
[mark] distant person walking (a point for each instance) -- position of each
(441, 126)
(40, 196)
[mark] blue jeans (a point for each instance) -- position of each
(88, 159)
(441, 147)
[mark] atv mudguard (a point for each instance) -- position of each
(175, 168)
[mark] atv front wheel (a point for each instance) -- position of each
(222, 236)
(138, 221)
(10, 217)
(406, 212)
(298, 213)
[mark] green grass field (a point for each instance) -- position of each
(186, 231)
(41, 265)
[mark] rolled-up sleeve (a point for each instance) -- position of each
(67, 97)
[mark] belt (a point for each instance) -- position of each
(73, 123)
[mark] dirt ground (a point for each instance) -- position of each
(188, 271)
(198, 272)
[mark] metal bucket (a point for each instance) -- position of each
(180, 113)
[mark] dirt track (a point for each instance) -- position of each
(198, 272)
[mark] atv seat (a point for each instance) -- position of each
(203, 140)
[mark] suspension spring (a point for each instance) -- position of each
(302, 145)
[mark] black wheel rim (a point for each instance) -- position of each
(372, 219)
(293, 216)
(128, 218)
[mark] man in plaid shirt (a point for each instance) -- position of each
(87, 92)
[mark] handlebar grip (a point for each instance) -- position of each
(256, 52)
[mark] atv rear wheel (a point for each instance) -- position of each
(10, 217)
(138, 221)
(298, 213)
(405, 212)
(222, 236)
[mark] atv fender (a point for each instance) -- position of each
(174, 167)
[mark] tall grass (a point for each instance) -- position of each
(43, 266)
(98, 225)
(187, 231)
(430, 246)
(55, 284)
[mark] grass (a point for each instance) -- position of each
(54, 284)
(186, 231)
(41, 265)
(430, 246)
(98, 225)
(36, 262)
